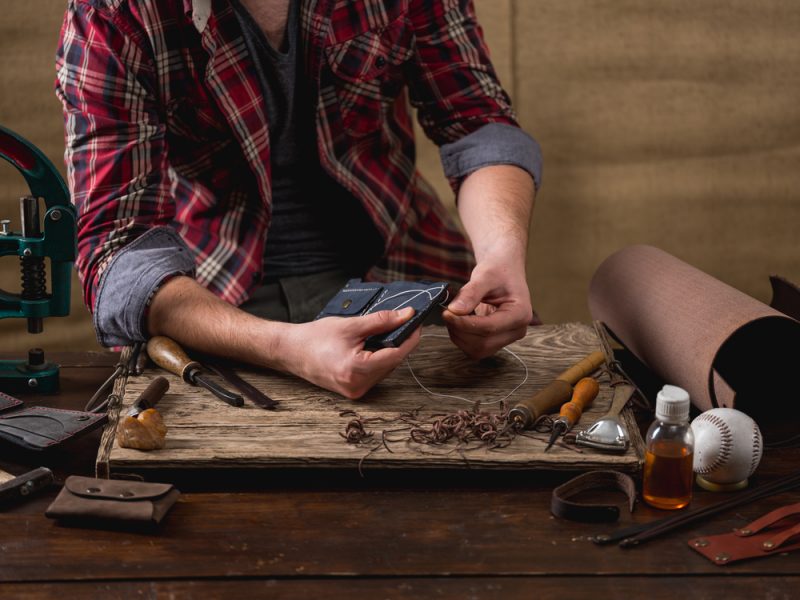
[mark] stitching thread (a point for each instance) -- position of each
(726, 442)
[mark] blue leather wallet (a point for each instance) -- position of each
(359, 298)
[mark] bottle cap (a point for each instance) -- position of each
(672, 404)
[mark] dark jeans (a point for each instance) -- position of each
(295, 299)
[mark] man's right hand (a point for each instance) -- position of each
(330, 352)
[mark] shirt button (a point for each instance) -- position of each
(380, 62)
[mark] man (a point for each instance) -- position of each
(235, 161)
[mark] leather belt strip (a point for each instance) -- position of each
(762, 537)
(639, 534)
(561, 505)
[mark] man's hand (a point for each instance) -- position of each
(330, 352)
(494, 308)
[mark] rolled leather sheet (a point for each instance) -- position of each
(692, 330)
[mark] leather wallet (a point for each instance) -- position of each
(40, 427)
(358, 298)
(103, 500)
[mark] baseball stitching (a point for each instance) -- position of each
(756, 449)
(725, 446)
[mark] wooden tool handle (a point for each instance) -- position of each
(582, 396)
(167, 354)
(543, 402)
(152, 394)
(584, 368)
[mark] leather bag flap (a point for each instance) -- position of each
(351, 299)
(113, 489)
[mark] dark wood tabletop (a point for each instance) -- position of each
(335, 534)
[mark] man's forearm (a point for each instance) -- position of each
(185, 311)
(495, 204)
(327, 352)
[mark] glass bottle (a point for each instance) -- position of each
(667, 480)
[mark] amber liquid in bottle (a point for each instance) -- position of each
(667, 475)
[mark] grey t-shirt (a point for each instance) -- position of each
(313, 218)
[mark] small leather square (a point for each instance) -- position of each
(353, 299)
(104, 500)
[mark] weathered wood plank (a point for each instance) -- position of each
(306, 430)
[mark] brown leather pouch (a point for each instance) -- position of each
(774, 533)
(108, 500)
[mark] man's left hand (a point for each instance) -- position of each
(492, 310)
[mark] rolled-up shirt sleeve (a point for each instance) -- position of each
(131, 279)
(492, 144)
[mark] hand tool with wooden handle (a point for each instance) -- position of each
(584, 394)
(167, 354)
(525, 413)
(16, 488)
(150, 396)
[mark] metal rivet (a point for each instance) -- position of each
(55, 215)
(33, 382)
(744, 531)
(768, 545)
(27, 252)
(722, 557)
(700, 543)
(83, 418)
(347, 303)
(92, 490)
(125, 494)
(27, 488)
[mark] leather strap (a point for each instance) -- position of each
(561, 505)
(771, 534)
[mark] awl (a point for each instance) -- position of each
(167, 354)
(584, 394)
(558, 391)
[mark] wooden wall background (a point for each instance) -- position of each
(674, 123)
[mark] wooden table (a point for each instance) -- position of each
(312, 534)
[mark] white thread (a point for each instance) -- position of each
(432, 393)
(418, 294)
(443, 303)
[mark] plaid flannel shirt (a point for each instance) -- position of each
(167, 146)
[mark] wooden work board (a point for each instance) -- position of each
(306, 429)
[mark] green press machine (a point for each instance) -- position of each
(36, 240)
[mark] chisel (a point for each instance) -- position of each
(150, 397)
(582, 396)
(248, 390)
(168, 355)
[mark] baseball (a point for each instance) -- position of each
(727, 447)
